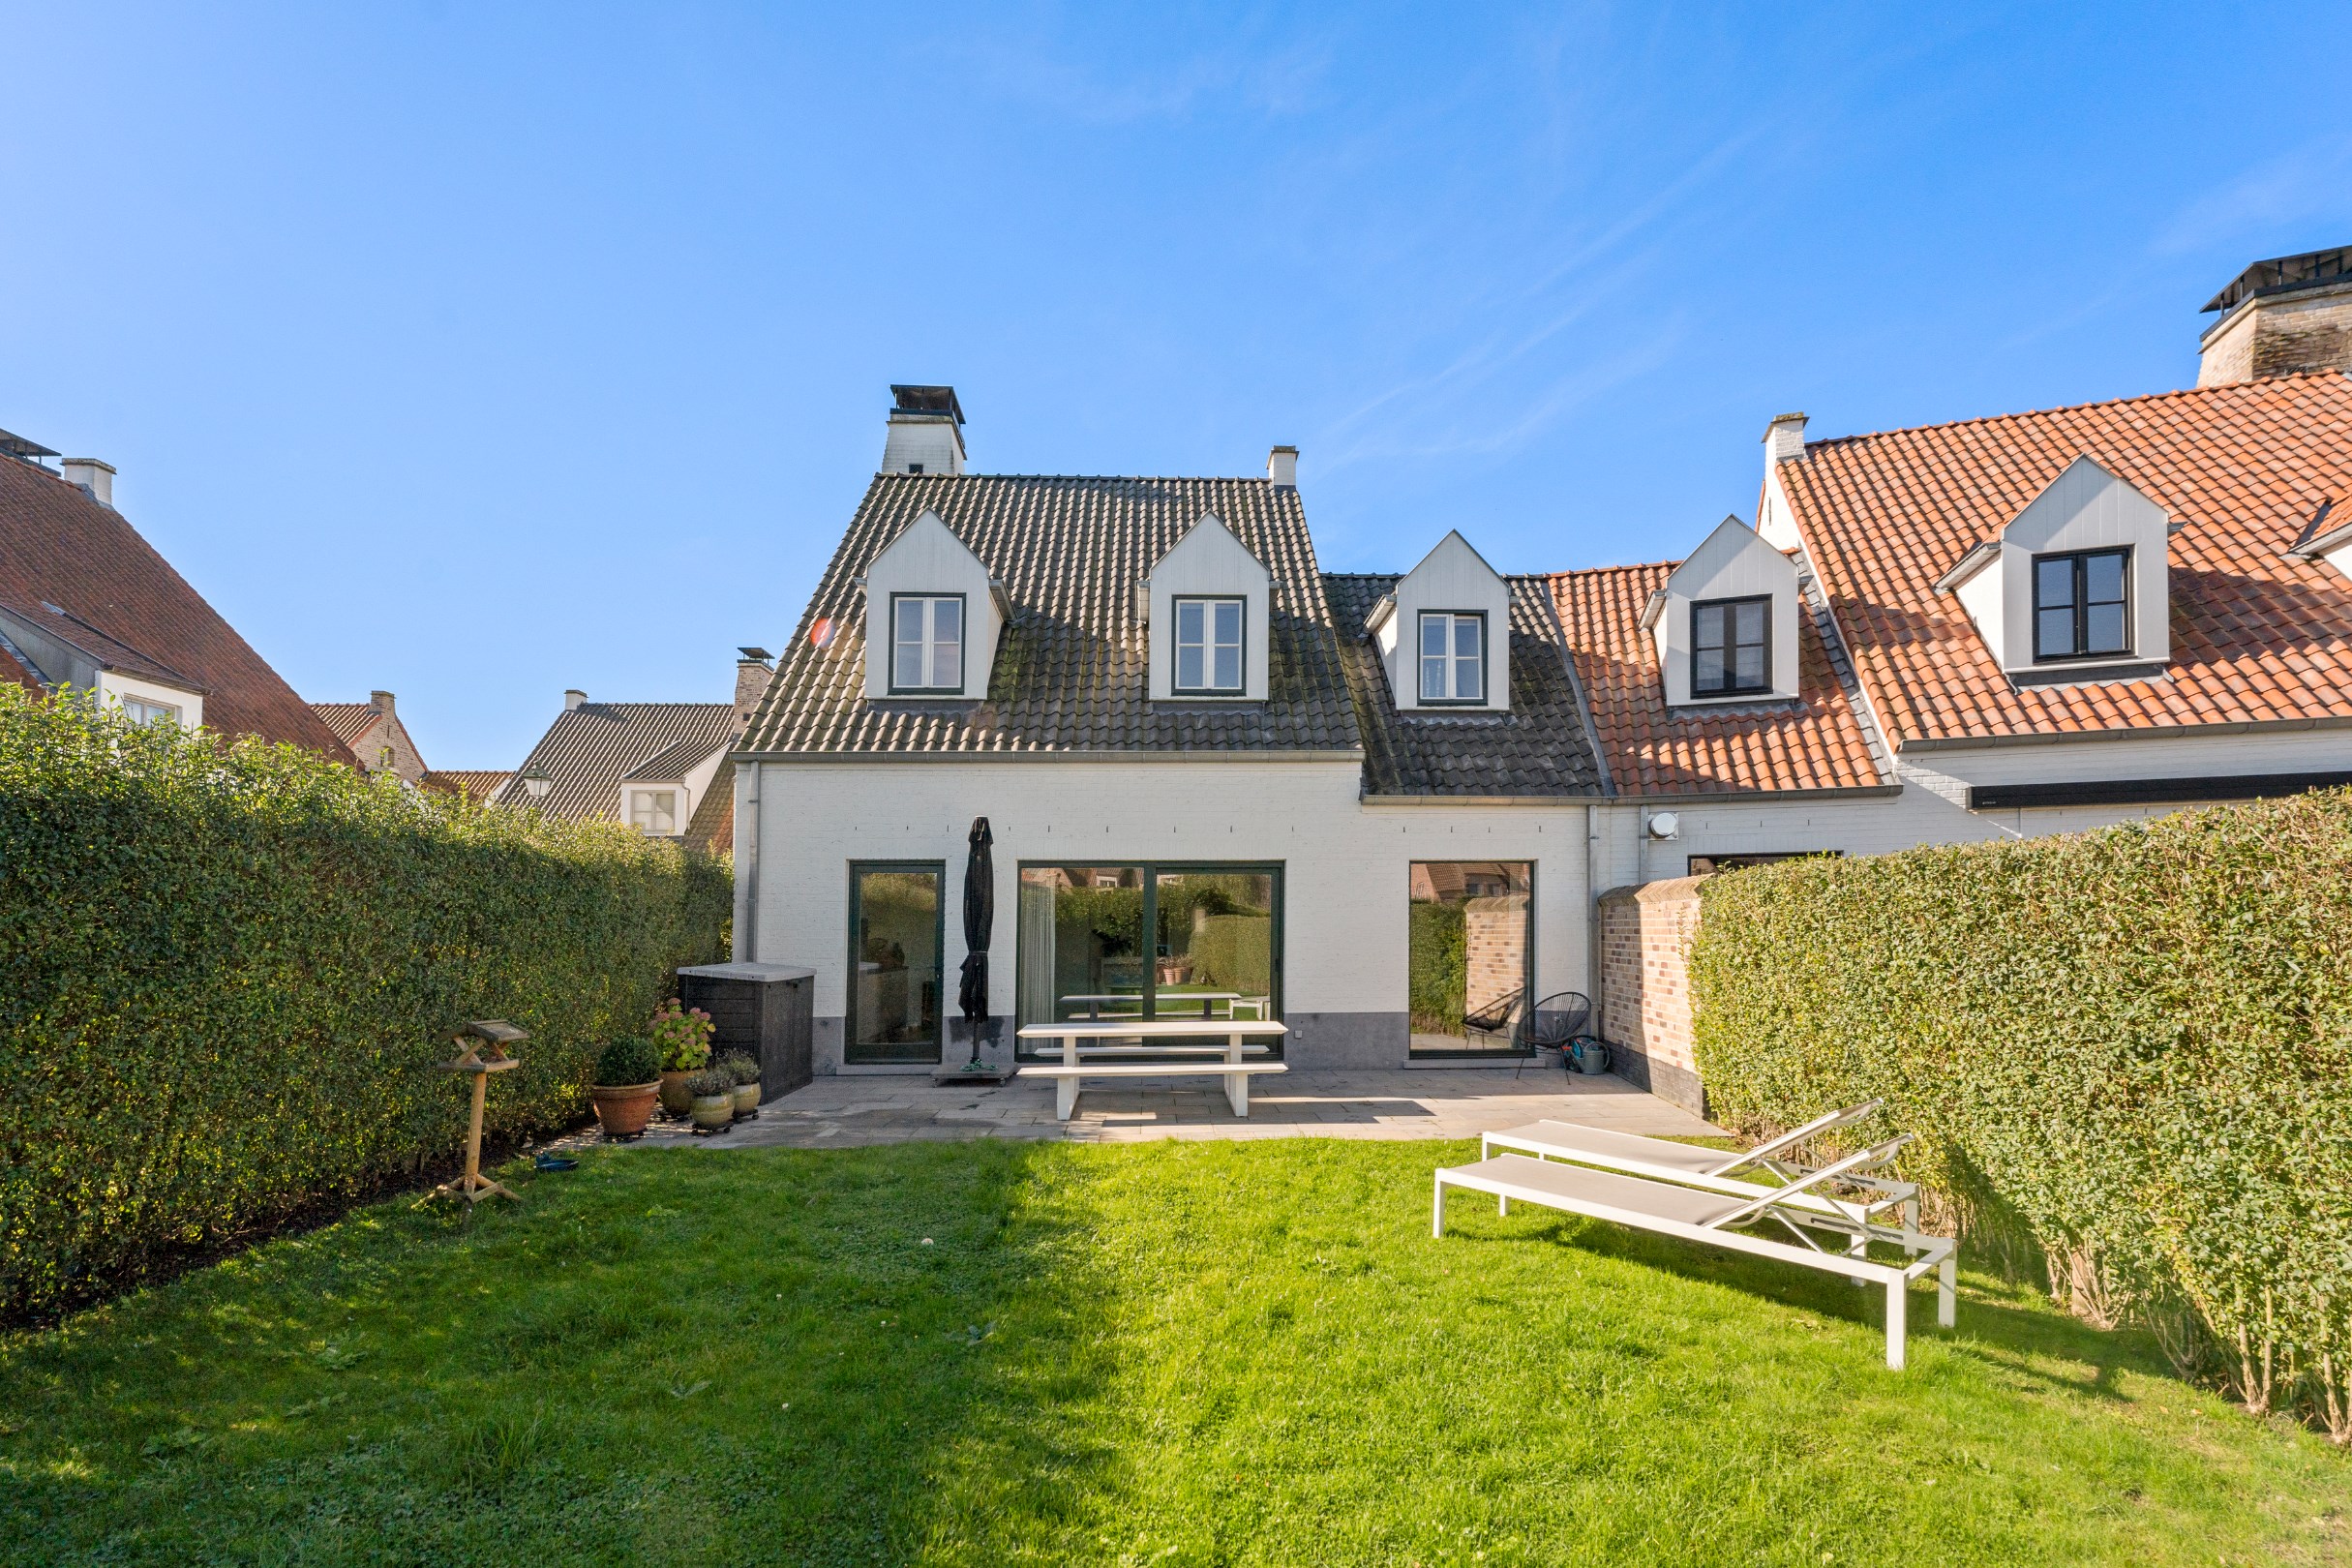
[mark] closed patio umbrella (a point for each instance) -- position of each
(979, 920)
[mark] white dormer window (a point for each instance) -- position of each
(654, 812)
(141, 710)
(926, 642)
(1731, 647)
(2082, 605)
(1453, 656)
(1209, 645)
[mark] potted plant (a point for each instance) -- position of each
(628, 1079)
(744, 1070)
(682, 1036)
(712, 1100)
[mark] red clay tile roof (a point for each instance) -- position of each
(57, 546)
(476, 784)
(2256, 635)
(348, 720)
(1816, 743)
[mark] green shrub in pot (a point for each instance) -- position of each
(745, 1070)
(628, 1080)
(711, 1100)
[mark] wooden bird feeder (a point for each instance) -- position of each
(481, 1051)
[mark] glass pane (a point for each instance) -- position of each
(2054, 636)
(895, 1004)
(1466, 636)
(2105, 579)
(1213, 957)
(906, 659)
(1433, 633)
(946, 642)
(1230, 622)
(1188, 623)
(1187, 667)
(2106, 630)
(1747, 666)
(1081, 943)
(1432, 678)
(1468, 955)
(1707, 673)
(1228, 667)
(1707, 625)
(1750, 619)
(2053, 582)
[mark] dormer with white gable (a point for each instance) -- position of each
(1208, 605)
(932, 618)
(1725, 624)
(1444, 633)
(2076, 586)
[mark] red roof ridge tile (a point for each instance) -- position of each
(2175, 394)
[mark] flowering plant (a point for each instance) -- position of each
(683, 1035)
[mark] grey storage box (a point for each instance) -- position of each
(766, 1011)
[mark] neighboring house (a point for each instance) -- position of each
(475, 784)
(376, 736)
(1379, 807)
(86, 602)
(661, 767)
(1210, 770)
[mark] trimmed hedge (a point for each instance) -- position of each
(2131, 1048)
(227, 974)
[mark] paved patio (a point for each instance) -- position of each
(843, 1112)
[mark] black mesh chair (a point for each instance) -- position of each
(1505, 1015)
(1557, 1020)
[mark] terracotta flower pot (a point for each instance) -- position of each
(674, 1095)
(625, 1109)
(746, 1100)
(714, 1113)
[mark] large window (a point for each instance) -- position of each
(1453, 656)
(654, 812)
(139, 711)
(1731, 646)
(1208, 647)
(1471, 956)
(926, 642)
(2081, 604)
(897, 935)
(1146, 941)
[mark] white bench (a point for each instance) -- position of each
(1128, 1042)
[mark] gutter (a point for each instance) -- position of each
(2165, 731)
(965, 759)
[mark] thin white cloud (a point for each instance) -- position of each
(2313, 181)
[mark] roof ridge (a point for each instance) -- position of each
(1596, 572)
(2072, 408)
(1107, 478)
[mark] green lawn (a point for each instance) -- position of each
(1165, 1353)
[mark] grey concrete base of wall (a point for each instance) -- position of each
(827, 1036)
(1320, 1040)
(1675, 1085)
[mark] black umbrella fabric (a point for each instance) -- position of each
(980, 921)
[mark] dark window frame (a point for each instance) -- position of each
(1529, 993)
(1176, 604)
(1153, 871)
(1731, 663)
(963, 645)
(1486, 648)
(2080, 560)
(850, 1044)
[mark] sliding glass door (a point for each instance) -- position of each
(897, 936)
(1150, 941)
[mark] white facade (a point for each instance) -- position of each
(929, 561)
(1208, 564)
(1347, 869)
(115, 690)
(1452, 580)
(1733, 562)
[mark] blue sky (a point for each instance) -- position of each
(479, 350)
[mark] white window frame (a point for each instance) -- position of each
(1732, 685)
(1449, 661)
(927, 646)
(642, 813)
(147, 710)
(1208, 646)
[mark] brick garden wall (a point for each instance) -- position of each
(1645, 995)
(1495, 941)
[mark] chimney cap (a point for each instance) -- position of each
(754, 655)
(925, 400)
(380, 701)
(89, 463)
(2284, 275)
(573, 697)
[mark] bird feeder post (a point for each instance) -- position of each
(481, 1051)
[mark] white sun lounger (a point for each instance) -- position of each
(1671, 1209)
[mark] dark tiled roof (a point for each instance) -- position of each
(1538, 748)
(1070, 669)
(2257, 635)
(673, 763)
(59, 546)
(590, 749)
(1816, 743)
(475, 783)
(712, 824)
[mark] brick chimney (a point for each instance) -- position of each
(2281, 317)
(381, 702)
(752, 673)
(926, 432)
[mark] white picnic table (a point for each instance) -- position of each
(1124, 1049)
(1092, 1002)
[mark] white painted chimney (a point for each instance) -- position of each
(380, 701)
(926, 432)
(1282, 466)
(573, 698)
(1785, 438)
(93, 475)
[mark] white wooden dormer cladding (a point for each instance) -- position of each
(1206, 588)
(1444, 633)
(2076, 583)
(1725, 624)
(928, 584)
